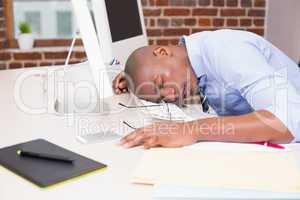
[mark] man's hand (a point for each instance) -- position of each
(120, 84)
(167, 134)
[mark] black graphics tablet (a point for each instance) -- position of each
(43, 172)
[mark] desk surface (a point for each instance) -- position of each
(18, 126)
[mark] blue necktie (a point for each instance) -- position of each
(202, 88)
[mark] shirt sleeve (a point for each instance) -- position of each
(244, 67)
(278, 96)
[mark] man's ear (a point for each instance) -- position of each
(162, 51)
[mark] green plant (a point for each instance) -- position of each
(24, 27)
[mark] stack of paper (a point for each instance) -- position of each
(178, 192)
(254, 170)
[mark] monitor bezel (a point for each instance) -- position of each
(92, 48)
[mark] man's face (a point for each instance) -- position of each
(169, 81)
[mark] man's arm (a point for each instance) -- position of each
(259, 126)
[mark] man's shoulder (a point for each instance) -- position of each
(222, 35)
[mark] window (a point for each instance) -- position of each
(64, 26)
(34, 19)
(52, 21)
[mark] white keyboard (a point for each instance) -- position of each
(165, 111)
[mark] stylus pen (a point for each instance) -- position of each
(44, 156)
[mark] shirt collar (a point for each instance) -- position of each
(193, 54)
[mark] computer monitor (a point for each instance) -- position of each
(97, 67)
(120, 31)
(120, 27)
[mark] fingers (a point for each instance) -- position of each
(134, 139)
(120, 84)
(151, 142)
(141, 137)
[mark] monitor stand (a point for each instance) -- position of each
(75, 91)
(76, 97)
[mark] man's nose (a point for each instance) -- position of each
(168, 94)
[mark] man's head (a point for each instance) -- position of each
(157, 73)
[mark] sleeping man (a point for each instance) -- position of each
(251, 85)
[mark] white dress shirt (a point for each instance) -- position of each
(243, 72)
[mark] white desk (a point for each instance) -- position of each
(17, 126)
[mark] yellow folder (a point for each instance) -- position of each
(267, 171)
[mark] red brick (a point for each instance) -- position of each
(196, 30)
(174, 41)
(233, 12)
(152, 22)
(152, 2)
(4, 56)
(144, 2)
(15, 65)
(204, 22)
(256, 13)
(30, 64)
(176, 12)
(246, 3)
(176, 32)
(2, 34)
(260, 3)
(232, 22)
(154, 32)
(205, 12)
(219, 3)
(204, 2)
(232, 3)
(74, 62)
(80, 55)
(162, 2)
(183, 2)
(259, 22)
(245, 22)
(2, 23)
(177, 22)
(190, 22)
(3, 44)
(152, 12)
(218, 22)
(162, 42)
(42, 64)
(61, 63)
(27, 56)
(56, 55)
(165, 42)
(259, 31)
(151, 42)
(3, 66)
(163, 22)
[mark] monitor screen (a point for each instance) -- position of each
(124, 19)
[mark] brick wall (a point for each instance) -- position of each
(166, 21)
(2, 26)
